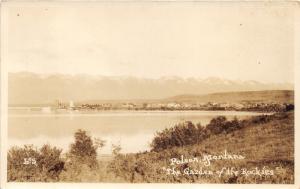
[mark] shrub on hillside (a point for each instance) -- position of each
(188, 133)
(30, 164)
(261, 119)
(179, 135)
(217, 125)
(222, 125)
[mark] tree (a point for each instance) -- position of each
(83, 150)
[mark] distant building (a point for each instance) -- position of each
(71, 105)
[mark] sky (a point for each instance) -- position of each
(227, 40)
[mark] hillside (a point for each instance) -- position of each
(285, 96)
(265, 145)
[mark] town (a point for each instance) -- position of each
(169, 106)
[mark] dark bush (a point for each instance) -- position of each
(30, 164)
(217, 125)
(289, 107)
(179, 135)
(261, 119)
(187, 133)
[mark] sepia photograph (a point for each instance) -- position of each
(148, 92)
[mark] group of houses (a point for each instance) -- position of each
(242, 106)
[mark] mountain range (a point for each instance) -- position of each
(30, 88)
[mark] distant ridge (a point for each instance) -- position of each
(230, 97)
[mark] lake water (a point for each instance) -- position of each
(133, 130)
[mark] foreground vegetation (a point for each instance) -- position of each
(266, 142)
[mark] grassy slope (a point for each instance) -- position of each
(270, 144)
(259, 142)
